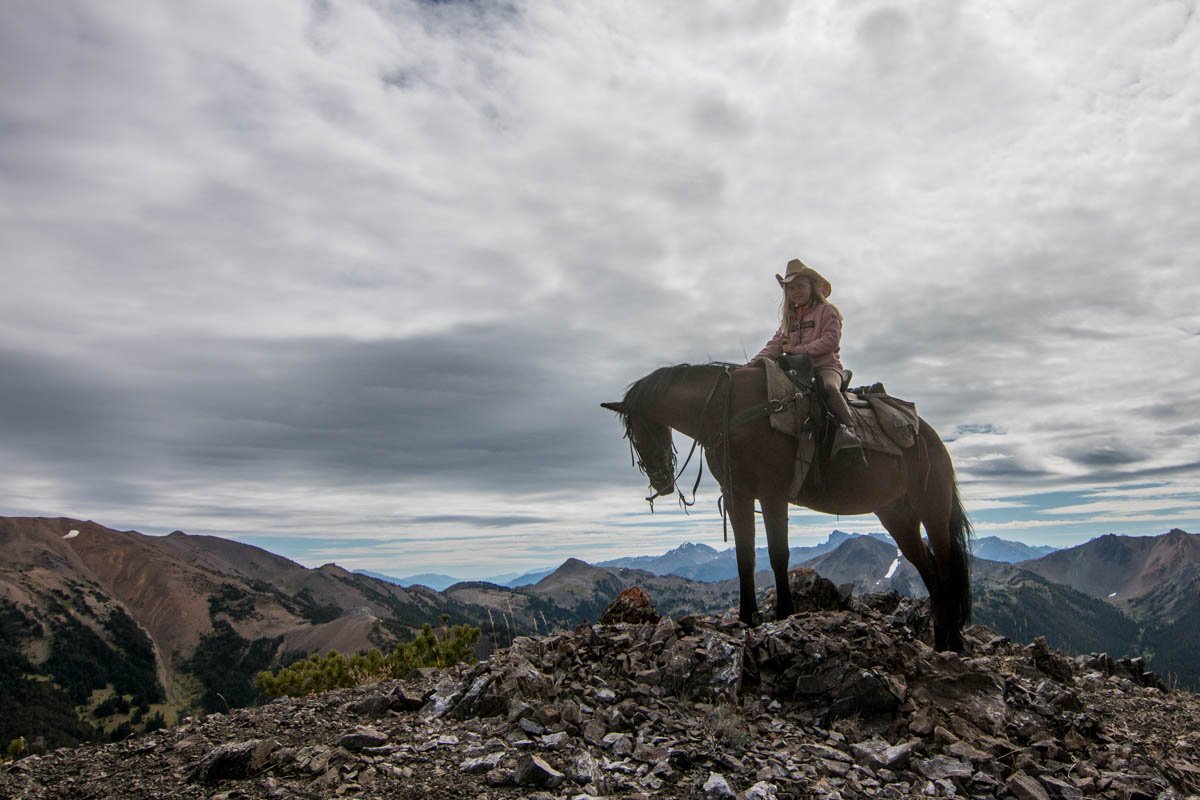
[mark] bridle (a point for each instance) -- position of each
(729, 422)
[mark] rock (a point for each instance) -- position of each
(584, 770)
(501, 777)
(606, 696)
(594, 731)
(555, 741)
(619, 744)
(533, 771)
(762, 791)
(717, 788)
(531, 727)
(361, 738)
(944, 767)
(633, 606)
(964, 751)
(406, 700)
(811, 592)
(481, 764)
(1073, 741)
(375, 705)
(1023, 787)
(877, 753)
(232, 761)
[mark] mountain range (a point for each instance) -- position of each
(126, 630)
(105, 631)
(700, 562)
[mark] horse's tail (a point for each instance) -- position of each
(956, 586)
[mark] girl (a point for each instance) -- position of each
(812, 326)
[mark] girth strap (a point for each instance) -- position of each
(761, 410)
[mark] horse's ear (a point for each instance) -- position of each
(617, 407)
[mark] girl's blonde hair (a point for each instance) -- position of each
(787, 313)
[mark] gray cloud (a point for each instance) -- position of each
(349, 267)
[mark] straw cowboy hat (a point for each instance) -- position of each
(797, 268)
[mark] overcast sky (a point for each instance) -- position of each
(349, 280)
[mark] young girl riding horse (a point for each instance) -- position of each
(812, 326)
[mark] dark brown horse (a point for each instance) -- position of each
(756, 463)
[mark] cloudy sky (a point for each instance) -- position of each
(349, 280)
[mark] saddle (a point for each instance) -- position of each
(885, 424)
(799, 369)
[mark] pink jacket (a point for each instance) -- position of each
(818, 333)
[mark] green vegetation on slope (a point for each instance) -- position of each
(1070, 620)
(334, 671)
(30, 706)
(225, 663)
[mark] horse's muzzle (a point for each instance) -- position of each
(669, 490)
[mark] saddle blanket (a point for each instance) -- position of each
(885, 424)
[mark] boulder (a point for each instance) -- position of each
(632, 606)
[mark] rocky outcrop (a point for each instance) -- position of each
(845, 701)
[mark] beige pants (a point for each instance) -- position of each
(832, 379)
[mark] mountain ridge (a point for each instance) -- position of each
(201, 610)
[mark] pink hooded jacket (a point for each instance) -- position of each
(817, 333)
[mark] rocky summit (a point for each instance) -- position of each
(843, 700)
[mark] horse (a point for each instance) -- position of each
(752, 461)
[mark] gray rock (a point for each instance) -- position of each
(584, 770)
(1024, 787)
(375, 705)
(534, 771)
(361, 738)
(531, 727)
(484, 763)
(619, 744)
(227, 762)
(555, 741)
(762, 791)
(944, 767)
(717, 788)
(877, 753)
(594, 731)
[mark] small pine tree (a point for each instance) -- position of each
(447, 646)
(16, 748)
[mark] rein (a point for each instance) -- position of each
(683, 501)
(728, 423)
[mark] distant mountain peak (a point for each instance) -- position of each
(693, 547)
(574, 565)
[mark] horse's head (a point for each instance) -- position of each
(653, 450)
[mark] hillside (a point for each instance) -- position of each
(846, 702)
(134, 629)
(131, 629)
(1155, 580)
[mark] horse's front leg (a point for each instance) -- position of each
(775, 520)
(741, 516)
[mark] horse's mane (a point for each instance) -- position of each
(645, 391)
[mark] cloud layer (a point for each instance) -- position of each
(357, 270)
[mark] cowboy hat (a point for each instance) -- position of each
(797, 269)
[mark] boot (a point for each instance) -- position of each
(846, 443)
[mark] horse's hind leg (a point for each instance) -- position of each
(741, 516)
(902, 522)
(775, 520)
(949, 531)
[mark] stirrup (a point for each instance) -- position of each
(845, 442)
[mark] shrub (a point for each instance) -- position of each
(16, 748)
(442, 648)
